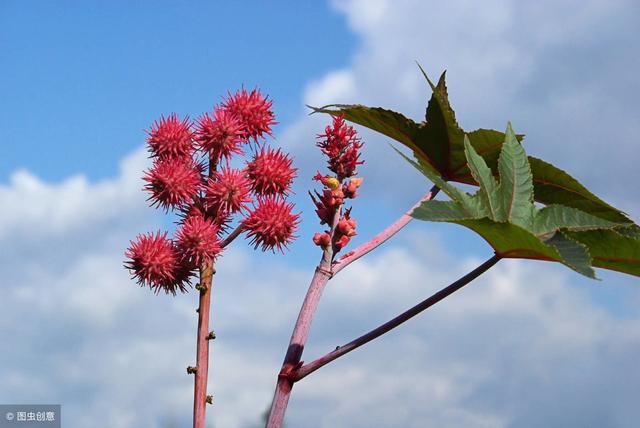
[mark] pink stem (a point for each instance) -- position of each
(207, 270)
(325, 271)
(233, 235)
(300, 332)
(307, 369)
(202, 351)
(381, 237)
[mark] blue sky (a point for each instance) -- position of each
(82, 80)
(528, 345)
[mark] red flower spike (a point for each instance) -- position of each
(152, 260)
(271, 224)
(197, 239)
(220, 135)
(170, 137)
(253, 110)
(228, 190)
(271, 172)
(172, 182)
(341, 145)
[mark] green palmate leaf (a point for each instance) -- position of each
(631, 231)
(489, 195)
(438, 142)
(573, 253)
(516, 182)
(611, 249)
(504, 214)
(554, 186)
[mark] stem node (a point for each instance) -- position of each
(326, 272)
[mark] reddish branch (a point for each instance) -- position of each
(298, 340)
(382, 237)
(307, 369)
(325, 271)
(233, 235)
(202, 352)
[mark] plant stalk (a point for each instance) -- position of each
(326, 270)
(298, 340)
(309, 368)
(202, 348)
(383, 236)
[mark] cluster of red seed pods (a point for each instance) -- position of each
(191, 175)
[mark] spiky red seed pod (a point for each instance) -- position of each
(271, 224)
(271, 172)
(220, 135)
(197, 239)
(193, 209)
(172, 182)
(170, 137)
(229, 190)
(182, 277)
(152, 260)
(254, 111)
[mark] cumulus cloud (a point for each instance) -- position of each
(503, 352)
(35, 209)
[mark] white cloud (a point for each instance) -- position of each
(34, 209)
(83, 334)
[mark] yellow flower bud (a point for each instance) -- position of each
(331, 182)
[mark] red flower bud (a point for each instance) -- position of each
(342, 242)
(322, 239)
(346, 227)
(351, 187)
(328, 181)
